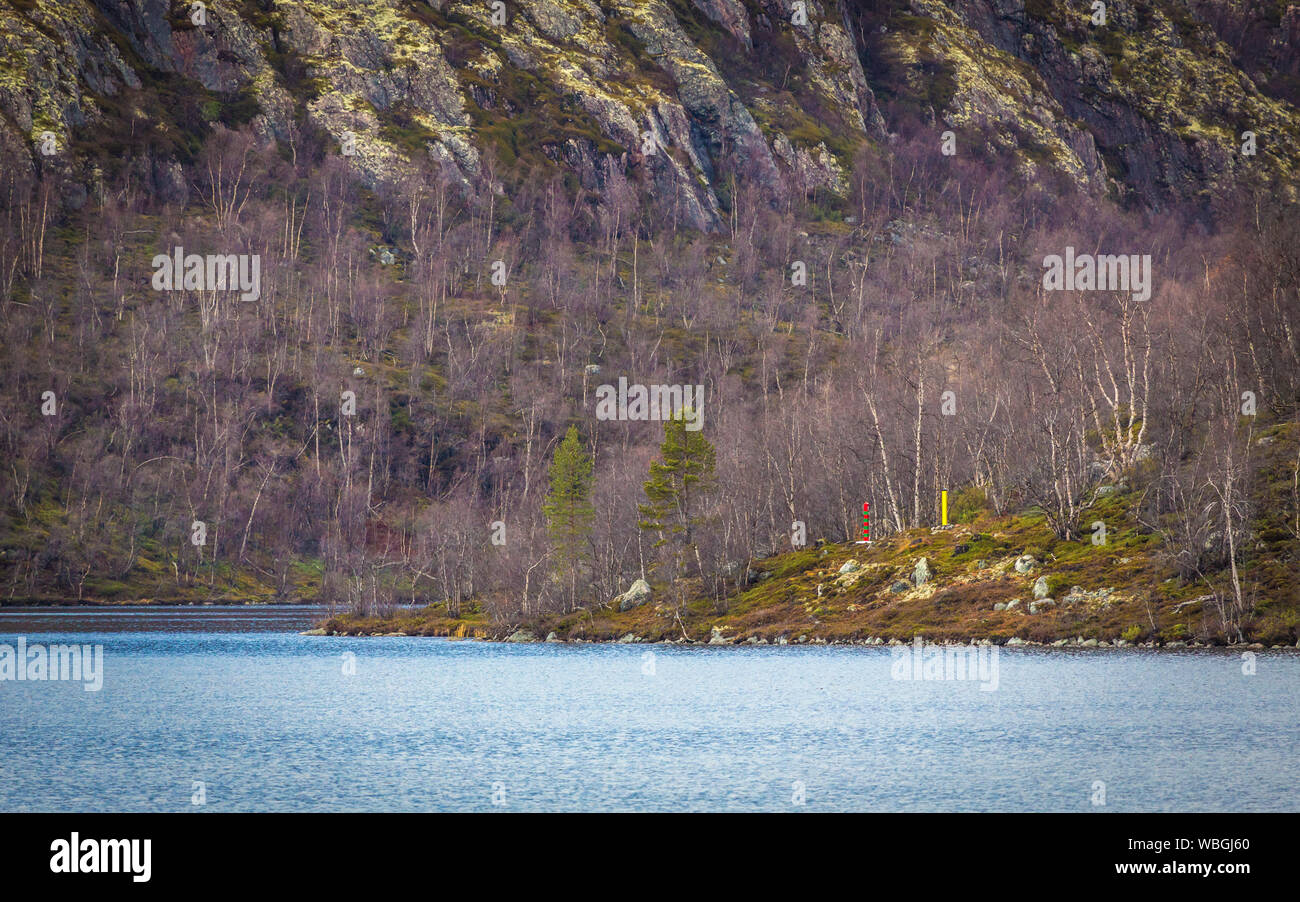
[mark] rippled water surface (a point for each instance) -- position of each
(267, 719)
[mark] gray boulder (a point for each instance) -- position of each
(637, 595)
(1040, 587)
(850, 567)
(1025, 563)
(521, 636)
(921, 575)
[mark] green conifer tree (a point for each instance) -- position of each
(568, 510)
(676, 491)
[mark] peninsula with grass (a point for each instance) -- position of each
(1006, 579)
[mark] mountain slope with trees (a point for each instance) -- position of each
(406, 412)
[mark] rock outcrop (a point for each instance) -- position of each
(664, 95)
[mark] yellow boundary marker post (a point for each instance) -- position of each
(944, 503)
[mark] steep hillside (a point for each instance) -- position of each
(467, 219)
(685, 93)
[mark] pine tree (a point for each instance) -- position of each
(568, 510)
(676, 492)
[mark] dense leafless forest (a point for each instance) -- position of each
(921, 354)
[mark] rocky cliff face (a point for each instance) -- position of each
(1153, 90)
(677, 93)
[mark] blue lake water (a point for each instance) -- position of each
(269, 720)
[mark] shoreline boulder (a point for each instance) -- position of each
(637, 594)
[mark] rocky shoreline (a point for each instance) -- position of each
(1003, 581)
(1078, 642)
